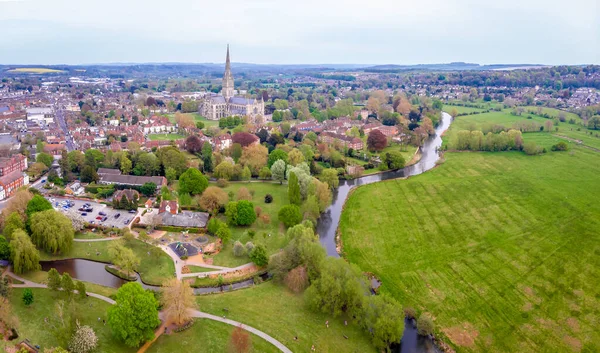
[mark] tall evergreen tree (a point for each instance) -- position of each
(294, 190)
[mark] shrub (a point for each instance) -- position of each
(238, 249)
(258, 211)
(410, 313)
(297, 279)
(245, 213)
(213, 225)
(561, 146)
(249, 246)
(84, 340)
(251, 233)
(222, 183)
(224, 233)
(258, 255)
(531, 148)
(268, 198)
(290, 215)
(244, 194)
(425, 325)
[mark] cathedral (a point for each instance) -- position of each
(217, 106)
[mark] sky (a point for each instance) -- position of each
(300, 32)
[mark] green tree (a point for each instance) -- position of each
(278, 171)
(52, 231)
(54, 280)
(294, 189)
(4, 249)
(245, 213)
(192, 182)
(425, 325)
(259, 256)
(148, 189)
(66, 282)
(264, 173)
(236, 152)
(37, 204)
(330, 176)
(393, 160)
(290, 215)
(12, 223)
(231, 212)
(224, 170)
(45, 158)
(126, 164)
(384, 319)
(63, 163)
(80, 286)
(207, 157)
(89, 174)
(275, 155)
(223, 233)
(170, 174)
(147, 164)
(340, 288)
(134, 316)
(27, 296)
(24, 256)
(123, 257)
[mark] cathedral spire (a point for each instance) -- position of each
(227, 91)
(227, 62)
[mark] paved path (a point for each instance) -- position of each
(273, 341)
(96, 240)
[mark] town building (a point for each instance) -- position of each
(17, 162)
(40, 114)
(217, 106)
(349, 142)
(168, 206)
(10, 182)
(132, 180)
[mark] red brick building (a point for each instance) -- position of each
(9, 183)
(17, 162)
(349, 142)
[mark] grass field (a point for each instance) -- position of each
(197, 117)
(32, 325)
(153, 269)
(583, 135)
(502, 249)
(204, 336)
(273, 310)
(554, 112)
(87, 235)
(160, 137)
(448, 108)
(35, 70)
(276, 241)
(479, 121)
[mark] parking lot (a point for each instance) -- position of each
(112, 220)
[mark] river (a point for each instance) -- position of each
(328, 222)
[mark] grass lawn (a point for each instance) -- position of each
(194, 269)
(170, 137)
(592, 140)
(204, 336)
(448, 108)
(88, 235)
(502, 249)
(197, 117)
(153, 269)
(479, 121)
(32, 325)
(276, 241)
(283, 315)
(554, 112)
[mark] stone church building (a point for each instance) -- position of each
(217, 106)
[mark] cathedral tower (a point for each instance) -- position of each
(227, 90)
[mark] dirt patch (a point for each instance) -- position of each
(463, 335)
(578, 292)
(527, 306)
(530, 293)
(573, 342)
(573, 324)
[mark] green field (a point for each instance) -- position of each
(153, 269)
(503, 249)
(204, 336)
(460, 109)
(273, 310)
(197, 117)
(32, 326)
(36, 70)
(589, 138)
(554, 112)
(160, 137)
(276, 241)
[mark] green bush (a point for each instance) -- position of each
(425, 325)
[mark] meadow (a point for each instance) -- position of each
(170, 137)
(500, 248)
(460, 109)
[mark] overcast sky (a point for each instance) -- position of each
(300, 31)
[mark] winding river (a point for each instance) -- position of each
(330, 219)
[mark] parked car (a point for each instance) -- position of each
(132, 211)
(84, 214)
(104, 218)
(126, 222)
(102, 213)
(99, 217)
(117, 215)
(43, 181)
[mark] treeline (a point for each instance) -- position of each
(465, 140)
(338, 77)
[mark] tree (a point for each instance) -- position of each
(295, 157)
(24, 256)
(425, 325)
(66, 282)
(224, 170)
(63, 323)
(178, 300)
(89, 174)
(192, 182)
(258, 255)
(294, 189)
(297, 279)
(123, 257)
(84, 340)
(376, 141)
(27, 296)
(193, 144)
(4, 288)
(80, 286)
(125, 164)
(76, 219)
(52, 231)
(235, 151)
(223, 233)
(240, 341)
(244, 194)
(37, 204)
(134, 316)
(54, 280)
(213, 198)
(278, 171)
(277, 154)
(147, 164)
(290, 215)
(36, 169)
(172, 158)
(254, 157)
(11, 224)
(393, 160)
(18, 203)
(384, 319)
(238, 249)
(310, 209)
(231, 212)
(340, 288)
(244, 139)
(330, 176)
(594, 123)
(4, 249)
(245, 213)
(45, 158)
(148, 189)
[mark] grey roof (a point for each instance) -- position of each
(132, 179)
(217, 99)
(185, 219)
(39, 110)
(108, 171)
(4, 109)
(241, 100)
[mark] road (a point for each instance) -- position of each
(60, 120)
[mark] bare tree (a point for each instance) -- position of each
(178, 300)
